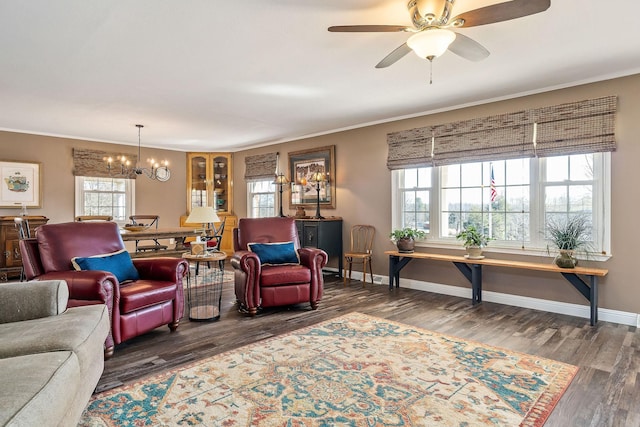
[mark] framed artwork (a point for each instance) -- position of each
(302, 165)
(20, 184)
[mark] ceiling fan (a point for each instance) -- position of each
(433, 33)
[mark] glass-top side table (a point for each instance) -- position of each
(204, 289)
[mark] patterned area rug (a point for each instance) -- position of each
(355, 370)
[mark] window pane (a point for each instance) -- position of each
(450, 176)
(471, 174)
(424, 177)
(581, 167)
(556, 199)
(451, 200)
(557, 169)
(517, 172)
(410, 178)
(580, 199)
(517, 198)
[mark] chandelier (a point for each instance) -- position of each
(159, 171)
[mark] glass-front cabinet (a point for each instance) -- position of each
(210, 181)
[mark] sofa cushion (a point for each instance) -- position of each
(276, 253)
(119, 263)
(76, 328)
(145, 293)
(42, 387)
(279, 275)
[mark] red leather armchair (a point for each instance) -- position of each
(258, 285)
(135, 307)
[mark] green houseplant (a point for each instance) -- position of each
(473, 240)
(405, 238)
(569, 236)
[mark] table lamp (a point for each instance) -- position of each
(205, 215)
(318, 178)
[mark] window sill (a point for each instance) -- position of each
(537, 252)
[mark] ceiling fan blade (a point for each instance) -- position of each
(368, 28)
(502, 12)
(468, 48)
(394, 56)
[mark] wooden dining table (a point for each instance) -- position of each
(179, 234)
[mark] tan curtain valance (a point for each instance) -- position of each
(260, 166)
(572, 128)
(94, 163)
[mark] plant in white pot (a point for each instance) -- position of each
(405, 238)
(569, 236)
(473, 240)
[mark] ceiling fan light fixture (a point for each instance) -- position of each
(431, 43)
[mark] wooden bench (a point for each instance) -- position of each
(472, 270)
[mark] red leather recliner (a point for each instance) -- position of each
(135, 307)
(259, 285)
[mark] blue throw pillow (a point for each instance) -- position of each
(119, 263)
(275, 253)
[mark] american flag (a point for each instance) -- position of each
(494, 192)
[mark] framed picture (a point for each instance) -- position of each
(20, 184)
(302, 165)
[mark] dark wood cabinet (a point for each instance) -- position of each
(11, 260)
(325, 234)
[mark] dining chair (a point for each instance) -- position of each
(153, 220)
(81, 218)
(360, 251)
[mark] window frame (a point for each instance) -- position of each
(601, 194)
(130, 197)
(250, 194)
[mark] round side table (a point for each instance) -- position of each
(204, 285)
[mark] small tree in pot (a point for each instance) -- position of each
(473, 241)
(405, 238)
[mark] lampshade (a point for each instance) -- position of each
(281, 179)
(203, 215)
(318, 177)
(431, 43)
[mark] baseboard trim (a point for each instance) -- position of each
(577, 310)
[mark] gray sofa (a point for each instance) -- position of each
(51, 357)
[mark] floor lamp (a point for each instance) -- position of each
(318, 178)
(281, 181)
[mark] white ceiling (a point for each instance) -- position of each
(228, 75)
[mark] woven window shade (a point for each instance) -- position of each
(261, 166)
(577, 128)
(572, 128)
(94, 163)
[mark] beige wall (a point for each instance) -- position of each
(364, 195)
(166, 199)
(364, 190)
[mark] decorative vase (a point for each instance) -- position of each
(405, 245)
(565, 259)
(300, 213)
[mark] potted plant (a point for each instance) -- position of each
(473, 241)
(405, 238)
(568, 237)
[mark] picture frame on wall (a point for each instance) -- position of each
(302, 164)
(20, 184)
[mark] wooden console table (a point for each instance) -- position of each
(472, 270)
(177, 233)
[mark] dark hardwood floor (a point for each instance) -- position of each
(605, 392)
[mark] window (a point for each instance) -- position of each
(510, 200)
(105, 196)
(261, 198)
